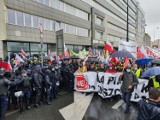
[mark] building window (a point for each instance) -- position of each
(53, 25)
(99, 35)
(41, 1)
(37, 47)
(99, 21)
(17, 46)
(46, 2)
(11, 16)
(27, 20)
(41, 20)
(20, 20)
(57, 26)
(46, 24)
(61, 6)
(35, 21)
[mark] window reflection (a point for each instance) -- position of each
(11, 16)
(20, 20)
(28, 20)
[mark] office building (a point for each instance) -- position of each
(84, 22)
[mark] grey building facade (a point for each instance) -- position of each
(84, 22)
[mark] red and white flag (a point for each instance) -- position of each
(66, 53)
(50, 59)
(23, 53)
(6, 65)
(142, 52)
(18, 59)
(108, 46)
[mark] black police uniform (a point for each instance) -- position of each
(4, 83)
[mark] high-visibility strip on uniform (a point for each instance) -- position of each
(155, 83)
(138, 73)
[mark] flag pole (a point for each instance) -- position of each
(107, 54)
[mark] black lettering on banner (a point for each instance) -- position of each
(101, 80)
(116, 91)
(111, 91)
(144, 88)
(135, 87)
(136, 96)
(102, 91)
(119, 82)
(110, 79)
(92, 87)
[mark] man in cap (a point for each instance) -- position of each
(4, 84)
(129, 81)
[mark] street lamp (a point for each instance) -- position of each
(155, 33)
(127, 23)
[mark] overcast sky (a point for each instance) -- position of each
(152, 16)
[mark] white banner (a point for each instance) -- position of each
(128, 46)
(107, 85)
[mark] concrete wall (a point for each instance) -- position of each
(3, 11)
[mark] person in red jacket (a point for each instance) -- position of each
(111, 69)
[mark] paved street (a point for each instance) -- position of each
(92, 107)
(45, 112)
(101, 109)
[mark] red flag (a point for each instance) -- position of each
(108, 47)
(6, 65)
(23, 53)
(126, 62)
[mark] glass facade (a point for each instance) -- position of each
(29, 48)
(62, 6)
(28, 20)
(75, 48)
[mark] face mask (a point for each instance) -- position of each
(24, 75)
(56, 67)
(110, 68)
(128, 70)
(135, 68)
(53, 69)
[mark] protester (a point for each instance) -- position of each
(149, 109)
(129, 81)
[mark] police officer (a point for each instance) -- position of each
(70, 69)
(37, 85)
(64, 74)
(4, 84)
(48, 86)
(26, 90)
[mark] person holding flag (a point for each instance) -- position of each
(129, 81)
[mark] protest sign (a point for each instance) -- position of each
(128, 46)
(107, 85)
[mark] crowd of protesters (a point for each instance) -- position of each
(30, 83)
